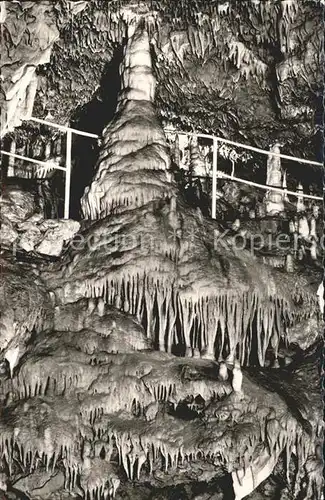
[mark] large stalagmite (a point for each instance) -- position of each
(152, 256)
(133, 164)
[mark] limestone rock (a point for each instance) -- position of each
(139, 154)
(313, 228)
(41, 484)
(16, 204)
(30, 238)
(29, 51)
(45, 236)
(305, 333)
(3, 481)
(25, 307)
(138, 82)
(123, 332)
(30, 222)
(7, 234)
(320, 297)
(54, 238)
(197, 163)
(303, 228)
(152, 260)
(300, 199)
(246, 481)
(29, 31)
(182, 287)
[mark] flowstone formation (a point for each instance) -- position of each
(152, 256)
(90, 405)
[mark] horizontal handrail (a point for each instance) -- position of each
(216, 174)
(245, 146)
(191, 134)
(39, 162)
(268, 188)
(63, 127)
(219, 174)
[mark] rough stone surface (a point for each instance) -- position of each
(25, 307)
(273, 200)
(53, 239)
(7, 234)
(150, 250)
(135, 171)
(41, 484)
(16, 204)
(46, 237)
(87, 395)
(29, 30)
(212, 74)
(121, 331)
(30, 238)
(306, 334)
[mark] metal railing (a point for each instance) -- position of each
(218, 174)
(45, 166)
(215, 173)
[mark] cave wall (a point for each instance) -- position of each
(249, 70)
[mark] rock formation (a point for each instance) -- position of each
(273, 199)
(134, 171)
(29, 31)
(142, 253)
(23, 226)
(197, 162)
(211, 71)
(90, 391)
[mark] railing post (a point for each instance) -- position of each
(214, 178)
(232, 168)
(67, 174)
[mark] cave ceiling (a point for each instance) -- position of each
(246, 70)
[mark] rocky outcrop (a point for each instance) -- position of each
(247, 480)
(41, 484)
(29, 31)
(29, 43)
(104, 406)
(17, 204)
(54, 234)
(115, 331)
(87, 396)
(25, 307)
(31, 233)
